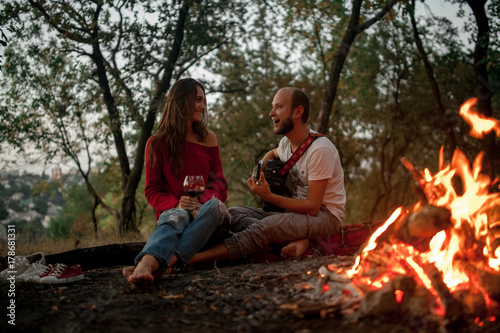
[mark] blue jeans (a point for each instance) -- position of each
(176, 235)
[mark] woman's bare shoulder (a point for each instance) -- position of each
(211, 139)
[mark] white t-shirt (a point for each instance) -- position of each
(320, 161)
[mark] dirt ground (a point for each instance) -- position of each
(236, 297)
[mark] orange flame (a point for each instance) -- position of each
(372, 241)
(480, 125)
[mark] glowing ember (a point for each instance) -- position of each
(399, 295)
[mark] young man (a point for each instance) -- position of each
(316, 207)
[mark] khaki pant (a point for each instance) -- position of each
(255, 229)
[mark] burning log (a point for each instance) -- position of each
(426, 191)
(474, 305)
(493, 236)
(481, 276)
(401, 295)
(417, 227)
(453, 308)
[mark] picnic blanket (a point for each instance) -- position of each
(347, 241)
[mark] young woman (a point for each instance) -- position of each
(181, 146)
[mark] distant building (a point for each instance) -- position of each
(18, 196)
(15, 172)
(26, 216)
(56, 173)
(52, 212)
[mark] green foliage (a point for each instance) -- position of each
(41, 206)
(30, 231)
(75, 213)
(16, 206)
(50, 190)
(3, 211)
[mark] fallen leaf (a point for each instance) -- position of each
(180, 296)
(289, 306)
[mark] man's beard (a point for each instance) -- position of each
(286, 126)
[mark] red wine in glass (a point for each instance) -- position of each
(194, 185)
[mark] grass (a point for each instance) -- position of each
(48, 246)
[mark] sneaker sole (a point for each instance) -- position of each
(54, 280)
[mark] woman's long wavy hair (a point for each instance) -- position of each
(172, 128)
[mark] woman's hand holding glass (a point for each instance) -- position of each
(194, 187)
(189, 203)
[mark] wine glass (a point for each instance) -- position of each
(194, 185)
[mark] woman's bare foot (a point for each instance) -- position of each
(295, 249)
(127, 271)
(143, 275)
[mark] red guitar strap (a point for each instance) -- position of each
(299, 152)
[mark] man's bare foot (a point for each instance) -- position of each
(144, 274)
(295, 249)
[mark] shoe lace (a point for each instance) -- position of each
(58, 270)
(47, 269)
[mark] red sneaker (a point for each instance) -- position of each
(46, 271)
(62, 273)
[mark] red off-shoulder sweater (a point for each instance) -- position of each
(163, 189)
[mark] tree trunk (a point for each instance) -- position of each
(484, 91)
(353, 29)
(127, 220)
(447, 126)
(96, 201)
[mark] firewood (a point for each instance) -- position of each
(454, 314)
(480, 275)
(377, 259)
(417, 227)
(493, 225)
(425, 190)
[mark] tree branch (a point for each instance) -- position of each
(52, 23)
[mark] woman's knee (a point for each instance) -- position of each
(214, 205)
(214, 208)
(178, 218)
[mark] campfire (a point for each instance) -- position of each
(439, 257)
